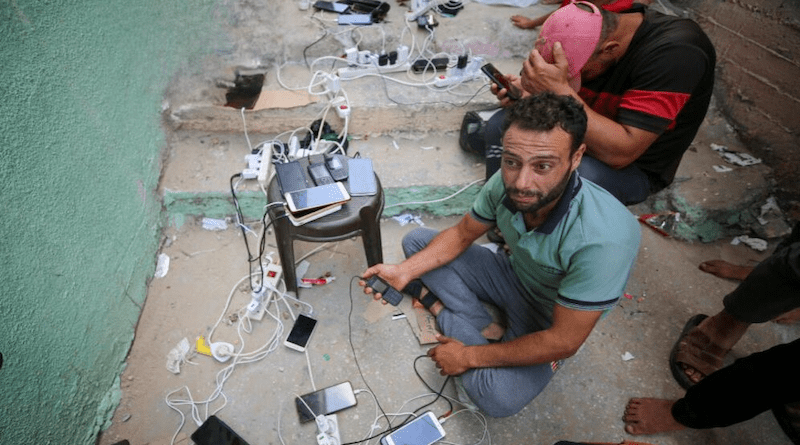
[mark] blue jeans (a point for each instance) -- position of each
(481, 276)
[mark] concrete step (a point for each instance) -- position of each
(416, 172)
(410, 132)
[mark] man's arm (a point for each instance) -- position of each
(444, 247)
(570, 329)
(614, 144)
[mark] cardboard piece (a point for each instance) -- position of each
(283, 99)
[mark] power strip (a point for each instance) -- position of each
(350, 72)
(264, 169)
(328, 430)
(446, 80)
(257, 307)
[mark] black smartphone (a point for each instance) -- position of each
(388, 293)
(325, 401)
(301, 333)
(331, 6)
(497, 77)
(320, 174)
(215, 432)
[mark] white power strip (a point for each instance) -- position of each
(351, 72)
(328, 430)
(264, 168)
(257, 306)
(447, 80)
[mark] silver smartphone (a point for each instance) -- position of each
(325, 401)
(315, 197)
(424, 430)
(301, 333)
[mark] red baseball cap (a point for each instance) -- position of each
(578, 31)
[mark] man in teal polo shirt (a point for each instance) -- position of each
(571, 249)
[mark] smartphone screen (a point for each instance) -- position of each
(314, 197)
(300, 333)
(215, 432)
(424, 430)
(497, 77)
(325, 401)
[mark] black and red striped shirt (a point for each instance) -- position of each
(662, 84)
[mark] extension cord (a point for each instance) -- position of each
(264, 169)
(340, 105)
(419, 7)
(445, 80)
(257, 307)
(328, 430)
(351, 72)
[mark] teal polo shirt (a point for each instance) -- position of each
(580, 257)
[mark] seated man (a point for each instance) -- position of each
(572, 246)
(645, 80)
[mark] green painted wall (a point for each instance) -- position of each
(80, 149)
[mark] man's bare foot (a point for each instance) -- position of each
(724, 269)
(650, 416)
(705, 346)
(790, 317)
(494, 331)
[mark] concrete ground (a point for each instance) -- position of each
(415, 153)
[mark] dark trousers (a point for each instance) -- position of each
(761, 381)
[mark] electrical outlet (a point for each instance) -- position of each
(272, 277)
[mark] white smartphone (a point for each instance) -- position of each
(424, 430)
(301, 333)
(314, 197)
(325, 401)
(361, 177)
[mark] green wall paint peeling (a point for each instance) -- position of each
(80, 145)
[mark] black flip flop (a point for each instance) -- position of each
(676, 368)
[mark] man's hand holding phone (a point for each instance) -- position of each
(382, 281)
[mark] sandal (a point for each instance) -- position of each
(414, 289)
(695, 349)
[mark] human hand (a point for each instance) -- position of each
(502, 93)
(539, 76)
(391, 273)
(449, 356)
(523, 22)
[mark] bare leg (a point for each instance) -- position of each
(724, 269)
(649, 416)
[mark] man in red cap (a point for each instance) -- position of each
(645, 80)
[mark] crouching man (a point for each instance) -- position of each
(571, 247)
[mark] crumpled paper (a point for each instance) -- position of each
(177, 356)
